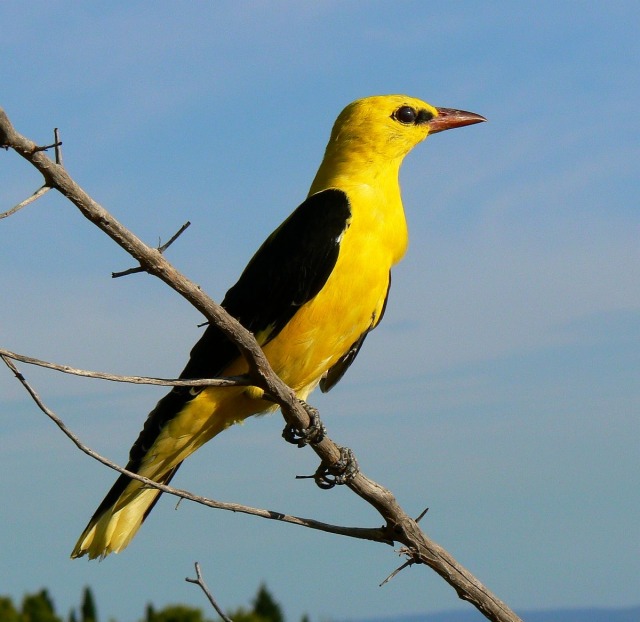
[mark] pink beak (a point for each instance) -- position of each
(448, 118)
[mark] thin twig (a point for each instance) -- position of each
(127, 272)
(36, 195)
(231, 381)
(159, 248)
(57, 145)
(174, 237)
(199, 581)
(406, 564)
(46, 186)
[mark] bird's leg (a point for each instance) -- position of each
(327, 475)
(308, 436)
(341, 472)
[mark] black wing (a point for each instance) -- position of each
(288, 270)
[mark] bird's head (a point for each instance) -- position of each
(371, 136)
(391, 125)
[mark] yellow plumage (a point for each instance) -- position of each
(328, 272)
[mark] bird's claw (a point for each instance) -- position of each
(311, 435)
(341, 472)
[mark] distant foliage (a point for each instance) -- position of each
(265, 607)
(8, 613)
(88, 607)
(39, 607)
(175, 613)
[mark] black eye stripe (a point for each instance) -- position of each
(424, 116)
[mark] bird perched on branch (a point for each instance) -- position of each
(311, 294)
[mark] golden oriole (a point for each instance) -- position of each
(311, 294)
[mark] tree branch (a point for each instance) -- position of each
(399, 526)
(375, 534)
(199, 581)
(231, 381)
(36, 195)
(161, 248)
(46, 186)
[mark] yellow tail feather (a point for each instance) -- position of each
(112, 531)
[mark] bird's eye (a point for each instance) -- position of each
(405, 114)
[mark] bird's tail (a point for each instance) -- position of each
(119, 516)
(174, 429)
(156, 454)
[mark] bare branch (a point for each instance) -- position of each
(54, 145)
(203, 586)
(36, 195)
(231, 381)
(160, 248)
(375, 534)
(46, 186)
(406, 564)
(174, 237)
(57, 143)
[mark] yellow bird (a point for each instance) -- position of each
(311, 294)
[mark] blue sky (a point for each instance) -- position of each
(501, 389)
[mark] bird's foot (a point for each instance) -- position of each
(341, 472)
(311, 435)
